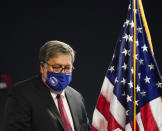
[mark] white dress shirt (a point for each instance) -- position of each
(66, 106)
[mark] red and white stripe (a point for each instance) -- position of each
(110, 115)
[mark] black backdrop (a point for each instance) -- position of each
(91, 27)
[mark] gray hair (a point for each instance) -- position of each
(55, 48)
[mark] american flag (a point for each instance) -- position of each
(114, 110)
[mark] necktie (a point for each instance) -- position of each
(63, 114)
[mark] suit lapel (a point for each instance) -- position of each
(72, 106)
(46, 97)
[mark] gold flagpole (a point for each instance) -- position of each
(134, 65)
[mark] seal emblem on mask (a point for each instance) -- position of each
(53, 81)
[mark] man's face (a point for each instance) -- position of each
(64, 61)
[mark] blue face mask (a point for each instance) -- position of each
(58, 81)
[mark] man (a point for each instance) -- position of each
(46, 102)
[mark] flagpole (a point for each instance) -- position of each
(134, 65)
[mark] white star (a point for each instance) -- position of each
(147, 79)
(139, 75)
(131, 24)
(111, 69)
(151, 66)
(138, 88)
(130, 38)
(116, 80)
(141, 61)
(144, 48)
(139, 30)
(159, 84)
(125, 52)
(136, 56)
(124, 66)
(126, 23)
(129, 98)
(136, 102)
(123, 81)
(135, 10)
(126, 37)
(126, 112)
(130, 84)
(132, 70)
(129, 7)
(143, 93)
(137, 43)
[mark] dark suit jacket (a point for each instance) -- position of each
(30, 107)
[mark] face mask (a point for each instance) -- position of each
(58, 81)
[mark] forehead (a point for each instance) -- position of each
(65, 59)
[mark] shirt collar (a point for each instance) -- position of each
(62, 94)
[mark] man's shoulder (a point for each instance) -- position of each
(73, 91)
(26, 84)
(27, 81)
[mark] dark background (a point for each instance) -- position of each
(91, 27)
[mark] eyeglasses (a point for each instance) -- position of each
(59, 68)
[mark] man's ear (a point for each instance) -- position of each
(41, 67)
